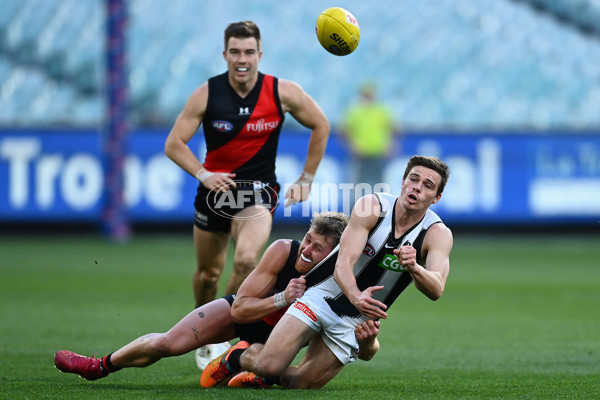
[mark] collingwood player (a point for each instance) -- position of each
(390, 242)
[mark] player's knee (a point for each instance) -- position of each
(250, 355)
(209, 276)
(268, 367)
(162, 345)
(244, 263)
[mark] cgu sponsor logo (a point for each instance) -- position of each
(391, 263)
(304, 308)
(222, 126)
(262, 126)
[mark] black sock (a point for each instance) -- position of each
(234, 360)
(272, 381)
(107, 365)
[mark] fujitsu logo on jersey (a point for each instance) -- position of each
(222, 126)
(261, 126)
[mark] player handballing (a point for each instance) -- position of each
(390, 242)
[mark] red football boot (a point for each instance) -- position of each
(89, 368)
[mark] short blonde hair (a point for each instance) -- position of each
(329, 224)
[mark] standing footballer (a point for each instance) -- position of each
(242, 112)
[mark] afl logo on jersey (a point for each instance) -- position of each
(369, 250)
(222, 126)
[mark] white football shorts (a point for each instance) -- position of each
(337, 332)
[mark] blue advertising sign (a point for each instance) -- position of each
(54, 176)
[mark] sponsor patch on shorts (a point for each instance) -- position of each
(307, 311)
(201, 219)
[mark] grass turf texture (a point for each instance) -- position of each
(519, 319)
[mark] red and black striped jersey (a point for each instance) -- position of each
(242, 134)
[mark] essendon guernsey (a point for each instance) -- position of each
(242, 133)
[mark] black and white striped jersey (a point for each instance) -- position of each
(377, 265)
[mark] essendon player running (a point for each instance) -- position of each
(241, 112)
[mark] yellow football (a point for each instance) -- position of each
(337, 30)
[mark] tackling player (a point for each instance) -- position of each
(390, 242)
(261, 301)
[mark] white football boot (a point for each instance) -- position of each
(205, 354)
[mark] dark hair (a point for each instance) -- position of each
(242, 29)
(433, 163)
(329, 224)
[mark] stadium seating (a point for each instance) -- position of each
(455, 64)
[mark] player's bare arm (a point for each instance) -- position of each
(185, 127)
(363, 218)
(250, 304)
(308, 113)
(430, 279)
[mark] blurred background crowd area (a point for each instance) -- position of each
(462, 65)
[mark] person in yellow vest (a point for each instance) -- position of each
(369, 130)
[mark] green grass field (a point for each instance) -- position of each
(519, 319)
